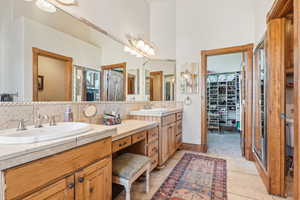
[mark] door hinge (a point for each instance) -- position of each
(282, 116)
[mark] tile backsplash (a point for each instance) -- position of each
(11, 113)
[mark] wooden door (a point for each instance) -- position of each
(131, 84)
(171, 139)
(156, 87)
(95, 182)
(61, 190)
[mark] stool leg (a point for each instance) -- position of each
(127, 189)
(148, 179)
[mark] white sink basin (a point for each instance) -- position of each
(34, 135)
(154, 110)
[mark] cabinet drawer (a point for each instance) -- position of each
(24, 179)
(121, 144)
(153, 148)
(168, 119)
(179, 127)
(138, 137)
(154, 161)
(152, 134)
(179, 116)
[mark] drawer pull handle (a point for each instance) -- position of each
(71, 185)
(81, 179)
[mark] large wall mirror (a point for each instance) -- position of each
(42, 59)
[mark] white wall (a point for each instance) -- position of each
(262, 7)
(163, 27)
(202, 25)
(225, 63)
(118, 17)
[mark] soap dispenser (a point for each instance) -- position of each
(68, 115)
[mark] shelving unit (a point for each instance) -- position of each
(223, 101)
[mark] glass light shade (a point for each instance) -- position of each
(127, 49)
(146, 48)
(45, 6)
(151, 52)
(140, 44)
(66, 2)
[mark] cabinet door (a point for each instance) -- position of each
(61, 190)
(171, 139)
(164, 153)
(95, 182)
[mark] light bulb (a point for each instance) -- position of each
(127, 49)
(146, 48)
(45, 6)
(66, 2)
(151, 52)
(140, 44)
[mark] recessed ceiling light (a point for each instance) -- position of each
(46, 6)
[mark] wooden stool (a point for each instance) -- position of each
(128, 167)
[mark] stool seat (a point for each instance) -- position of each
(128, 165)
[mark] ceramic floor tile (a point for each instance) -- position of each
(243, 182)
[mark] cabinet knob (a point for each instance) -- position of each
(71, 185)
(81, 179)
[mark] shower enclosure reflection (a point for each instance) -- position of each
(114, 82)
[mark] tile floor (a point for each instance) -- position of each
(243, 181)
(226, 144)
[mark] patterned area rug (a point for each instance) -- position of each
(195, 177)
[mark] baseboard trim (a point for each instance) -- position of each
(202, 148)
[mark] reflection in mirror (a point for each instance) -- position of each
(114, 82)
(39, 46)
(133, 81)
(260, 134)
(160, 80)
(86, 84)
(147, 82)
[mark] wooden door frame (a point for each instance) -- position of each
(248, 49)
(113, 66)
(69, 66)
(276, 166)
(296, 98)
(160, 73)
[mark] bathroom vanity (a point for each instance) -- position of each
(75, 167)
(170, 129)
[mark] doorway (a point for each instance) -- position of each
(244, 77)
(52, 76)
(156, 86)
(224, 91)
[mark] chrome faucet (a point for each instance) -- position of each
(21, 125)
(52, 121)
(39, 121)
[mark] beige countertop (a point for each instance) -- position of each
(168, 111)
(12, 155)
(129, 127)
(16, 154)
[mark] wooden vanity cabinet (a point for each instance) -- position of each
(94, 182)
(63, 189)
(82, 173)
(169, 134)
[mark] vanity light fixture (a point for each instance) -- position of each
(46, 6)
(140, 47)
(67, 2)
